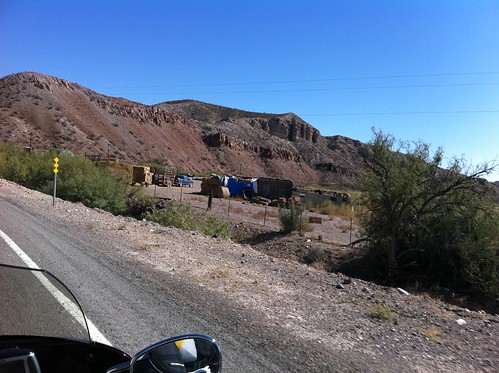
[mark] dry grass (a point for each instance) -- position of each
(198, 199)
(344, 228)
(433, 334)
(343, 211)
(90, 226)
(314, 256)
(240, 235)
(221, 273)
(380, 311)
(306, 227)
(262, 214)
(143, 246)
(238, 210)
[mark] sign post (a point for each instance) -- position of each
(56, 164)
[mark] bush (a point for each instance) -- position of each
(429, 224)
(181, 215)
(380, 311)
(290, 218)
(81, 180)
(140, 204)
(78, 180)
(30, 169)
(480, 258)
(314, 255)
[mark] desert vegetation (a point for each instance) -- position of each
(290, 217)
(421, 224)
(81, 180)
(429, 225)
(182, 215)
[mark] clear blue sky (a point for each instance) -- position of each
(424, 70)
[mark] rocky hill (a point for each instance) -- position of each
(47, 112)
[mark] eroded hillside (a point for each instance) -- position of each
(46, 112)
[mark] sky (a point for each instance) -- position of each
(419, 70)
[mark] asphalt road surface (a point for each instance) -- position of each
(42, 304)
(134, 306)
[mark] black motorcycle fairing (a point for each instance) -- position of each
(18, 360)
(67, 355)
(43, 329)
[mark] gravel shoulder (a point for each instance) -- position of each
(385, 329)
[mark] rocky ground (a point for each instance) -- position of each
(321, 245)
(391, 329)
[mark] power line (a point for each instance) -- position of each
(402, 113)
(309, 80)
(314, 89)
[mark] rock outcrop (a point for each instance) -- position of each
(287, 126)
(220, 140)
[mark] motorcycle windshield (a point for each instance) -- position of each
(33, 302)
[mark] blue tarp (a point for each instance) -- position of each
(240, 188)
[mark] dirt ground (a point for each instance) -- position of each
(324, 246)
(321, 245)
(387, 329)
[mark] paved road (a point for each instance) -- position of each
(134, 306)
(40, 301)
(131, 305)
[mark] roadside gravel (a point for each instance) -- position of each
(387, 328)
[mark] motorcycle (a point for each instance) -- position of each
(43, 329)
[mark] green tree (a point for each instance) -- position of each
(426, 222)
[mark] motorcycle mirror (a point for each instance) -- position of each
(192, 353)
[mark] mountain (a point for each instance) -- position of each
(47, 112)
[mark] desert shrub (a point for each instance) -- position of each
(139, 203)
(380, 311)
(182, 215)
(313, 255)
(426, 223)
(78, 180)
(30, 169)
(480, 258)
(290, 218)
(433, 333)
(306, 227)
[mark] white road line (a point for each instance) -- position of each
(69, 305)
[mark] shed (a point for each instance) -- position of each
(274, 188)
